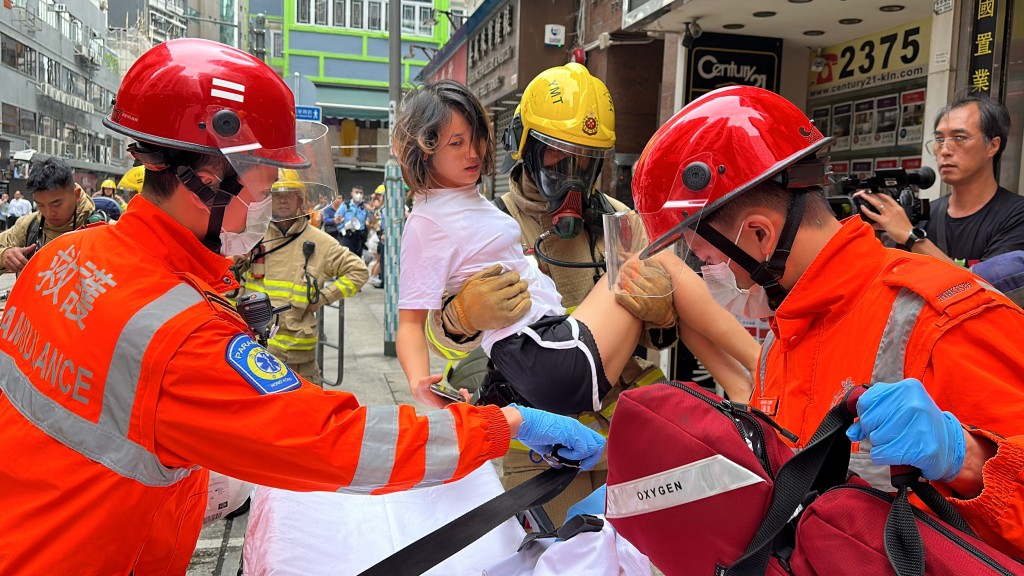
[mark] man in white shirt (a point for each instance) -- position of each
(19, 205)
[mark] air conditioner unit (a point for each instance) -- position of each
(56, 147)
(60, 7)
(36, 142)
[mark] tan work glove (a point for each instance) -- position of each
(488, 300)
(645, 290)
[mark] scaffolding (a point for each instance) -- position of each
(129, 43)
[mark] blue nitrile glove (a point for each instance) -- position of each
(592, 504)
(906, 427)
(542, 430)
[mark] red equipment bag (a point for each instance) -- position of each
(681, 488)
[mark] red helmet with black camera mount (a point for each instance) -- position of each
(200, 96)
(717, 147)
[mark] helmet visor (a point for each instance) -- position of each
(304, 170)
(555, 166)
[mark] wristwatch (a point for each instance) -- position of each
(916, 235)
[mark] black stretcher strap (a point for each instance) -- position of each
(432, 549)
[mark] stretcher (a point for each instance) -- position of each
(312, 533)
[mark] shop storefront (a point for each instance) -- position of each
(869, 95)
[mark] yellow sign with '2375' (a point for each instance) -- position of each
(888, 56)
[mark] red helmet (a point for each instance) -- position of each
(716, 147)
(206, 97)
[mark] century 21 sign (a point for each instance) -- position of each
(889, 56)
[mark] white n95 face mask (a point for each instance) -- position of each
(257, 220)
(721, 282)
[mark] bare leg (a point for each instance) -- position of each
(615, 330)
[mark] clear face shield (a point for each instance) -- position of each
(305, 170)
(634, 272)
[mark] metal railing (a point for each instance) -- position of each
(323, 342)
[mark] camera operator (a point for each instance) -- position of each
(979, 219)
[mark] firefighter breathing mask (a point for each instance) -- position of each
(564, 174)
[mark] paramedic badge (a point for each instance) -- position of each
(266, 374)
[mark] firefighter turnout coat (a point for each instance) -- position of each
(28, 225)
(124, 374)
(285, 274)
(863, 313)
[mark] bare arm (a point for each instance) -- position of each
(699, 312)
(730, 375)
(412, 355)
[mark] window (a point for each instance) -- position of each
(426, 13)
(302, 10)
(356, 15)
(46, 126)
(9, 51)
(10, 118)
(27, 122)
(276, 44)
(408, 19)
(339, 13)
(27, 60)
(321, 12)
(53, 73)
(376, 19)
(414, 14)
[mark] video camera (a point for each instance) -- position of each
(902, 185)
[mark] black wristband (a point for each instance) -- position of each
(916, 235)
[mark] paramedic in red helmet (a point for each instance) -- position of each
(106, 446)
(738, 176)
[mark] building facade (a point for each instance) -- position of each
(335, 56)
(59, 80)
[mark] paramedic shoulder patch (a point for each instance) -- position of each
(266, 374)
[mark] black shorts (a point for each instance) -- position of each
(554, 364)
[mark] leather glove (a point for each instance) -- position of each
(593, 504)
(906, 427)
(488, 300)
(540, 431)
(645, 290)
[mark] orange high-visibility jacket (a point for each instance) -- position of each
(124, 374)
(863, 313)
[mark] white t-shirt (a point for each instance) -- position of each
(452, 234)
(20, 207)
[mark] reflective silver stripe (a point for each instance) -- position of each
(79, 434)
(126, 364)
(889, 367)
(442, 448)
(106, 442)
(765, 347)
(595, 393)
(892, 347)
(687, 483)
(377, 452)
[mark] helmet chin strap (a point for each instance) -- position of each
(769, 273)
(216, 199)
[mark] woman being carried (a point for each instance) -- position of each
(444, 142)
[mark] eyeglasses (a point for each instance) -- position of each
(954, 143)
